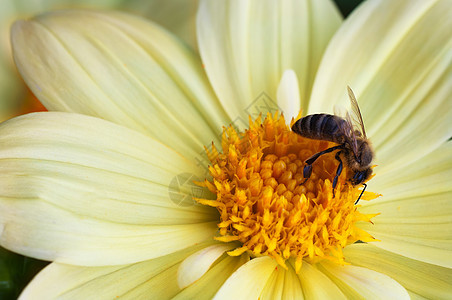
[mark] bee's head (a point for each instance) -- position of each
(361, 176)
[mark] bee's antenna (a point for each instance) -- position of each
(362, 192)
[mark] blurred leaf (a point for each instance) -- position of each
(15, 273)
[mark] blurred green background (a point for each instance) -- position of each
(16, 270)
(347, 6)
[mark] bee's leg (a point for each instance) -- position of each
(362, 192)
(307, 170)
(338, 171)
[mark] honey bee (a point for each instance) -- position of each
(354, 147)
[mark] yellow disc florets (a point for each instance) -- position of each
(264, 204)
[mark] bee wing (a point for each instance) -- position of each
(358, 123)
(350, 133)
(346, 128)
(339, 111)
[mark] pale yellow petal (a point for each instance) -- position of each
(292, 285)
(362, 283)
(208, 285)
(274, 287)
(316, 285)
(425, 176)
(162, 286)
(415, 211)
(396, 57)
(197, 264)
(153, 279)
(249, 280)
(423, 279)
(415, 296)
(41, 230)
(247, 45)
(288, 94)
(97, 168)
(120, 68)
(417, 227)
(282, 284)
(81, 190)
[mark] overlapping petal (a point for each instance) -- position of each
(247, 45)
(150, 279)
(143, 279)
(362, 283)
(423, 279)
(122, 69)
(282, 284)
(197, 264)
(274, 288)
(316, 285)
(81, 190)
(396, 57)
(209, 284)
(249, 280)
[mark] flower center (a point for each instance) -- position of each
(265, 203)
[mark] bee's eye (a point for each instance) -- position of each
(359, 177)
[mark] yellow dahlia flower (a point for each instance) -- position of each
(103, 184)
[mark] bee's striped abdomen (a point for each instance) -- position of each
(321, 127)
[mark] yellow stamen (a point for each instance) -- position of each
(264, 205)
